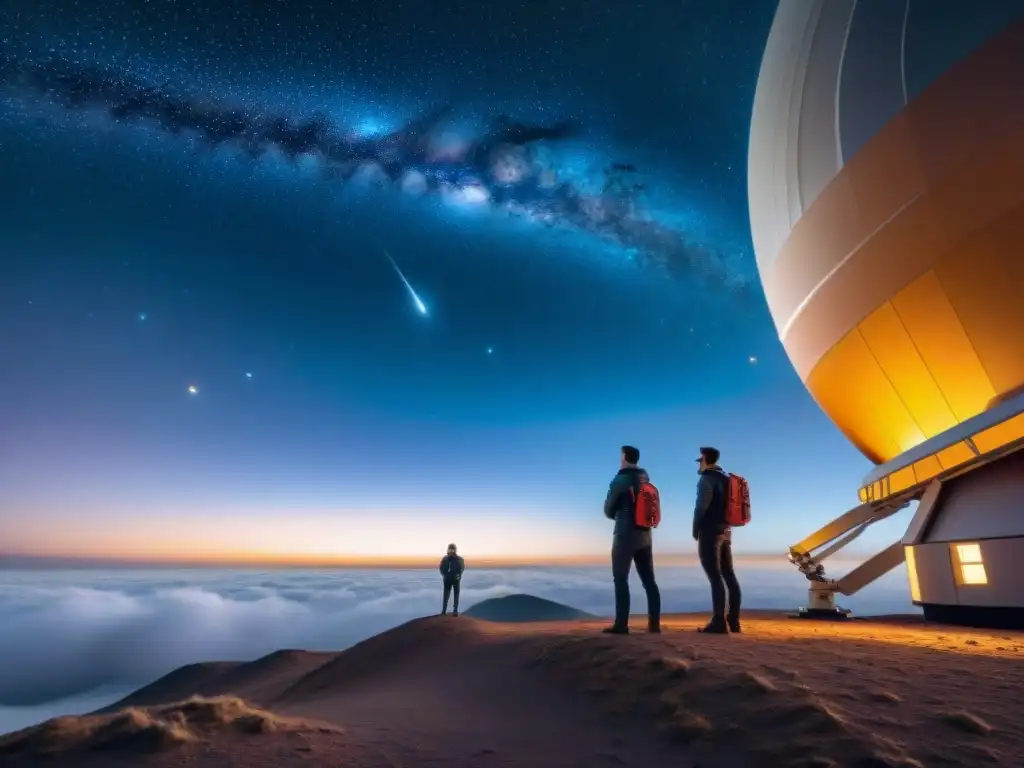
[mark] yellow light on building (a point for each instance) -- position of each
(968, 553)
(915, 585)
(971, 566)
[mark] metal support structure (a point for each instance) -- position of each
(831, 538)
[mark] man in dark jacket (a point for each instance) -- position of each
(451, 569)
(630, 544)
(714, 543)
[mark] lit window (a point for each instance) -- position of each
(915, 586)
(973, 573)
(968, 553)
(972, 568)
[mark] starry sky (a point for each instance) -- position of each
(351, 280)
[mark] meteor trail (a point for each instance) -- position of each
(417, 301)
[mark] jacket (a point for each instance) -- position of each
(452, 567)
(709, 512)
(619, 504)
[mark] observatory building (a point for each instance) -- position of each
(886, 187)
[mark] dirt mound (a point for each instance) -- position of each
(259, 681)
(769, 714)
(402, 646)
(176, 685)
(150, 729)
(263, 680)
(466, 693)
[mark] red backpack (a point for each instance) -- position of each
(646, 504)
(737, 502)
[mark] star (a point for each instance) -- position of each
(490, 350)
(193, 389)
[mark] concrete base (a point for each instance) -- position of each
(826, 614)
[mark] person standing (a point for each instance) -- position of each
(714, 543)
(452, 567)
(631, 543)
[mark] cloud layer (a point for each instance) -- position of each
(64, 633)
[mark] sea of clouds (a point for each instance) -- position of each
(72, 641)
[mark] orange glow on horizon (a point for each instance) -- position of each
(292, 537)
(317, 540)
(236, 559)
(327, 538)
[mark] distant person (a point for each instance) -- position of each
(452, 567)
(633, 503)
(713, 534)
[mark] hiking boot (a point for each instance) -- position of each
(733, 624)
(615, 629)
(715, 627)
(455, 613)
(654, 628)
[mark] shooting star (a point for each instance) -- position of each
(416, 300)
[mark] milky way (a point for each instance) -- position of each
(501, 168)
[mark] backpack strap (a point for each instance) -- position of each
(634, 488)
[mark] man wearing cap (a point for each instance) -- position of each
(714, 543)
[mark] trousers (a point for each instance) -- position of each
(715, 552)
(450, 586)
(625, 554)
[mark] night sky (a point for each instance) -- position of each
(207, 214)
